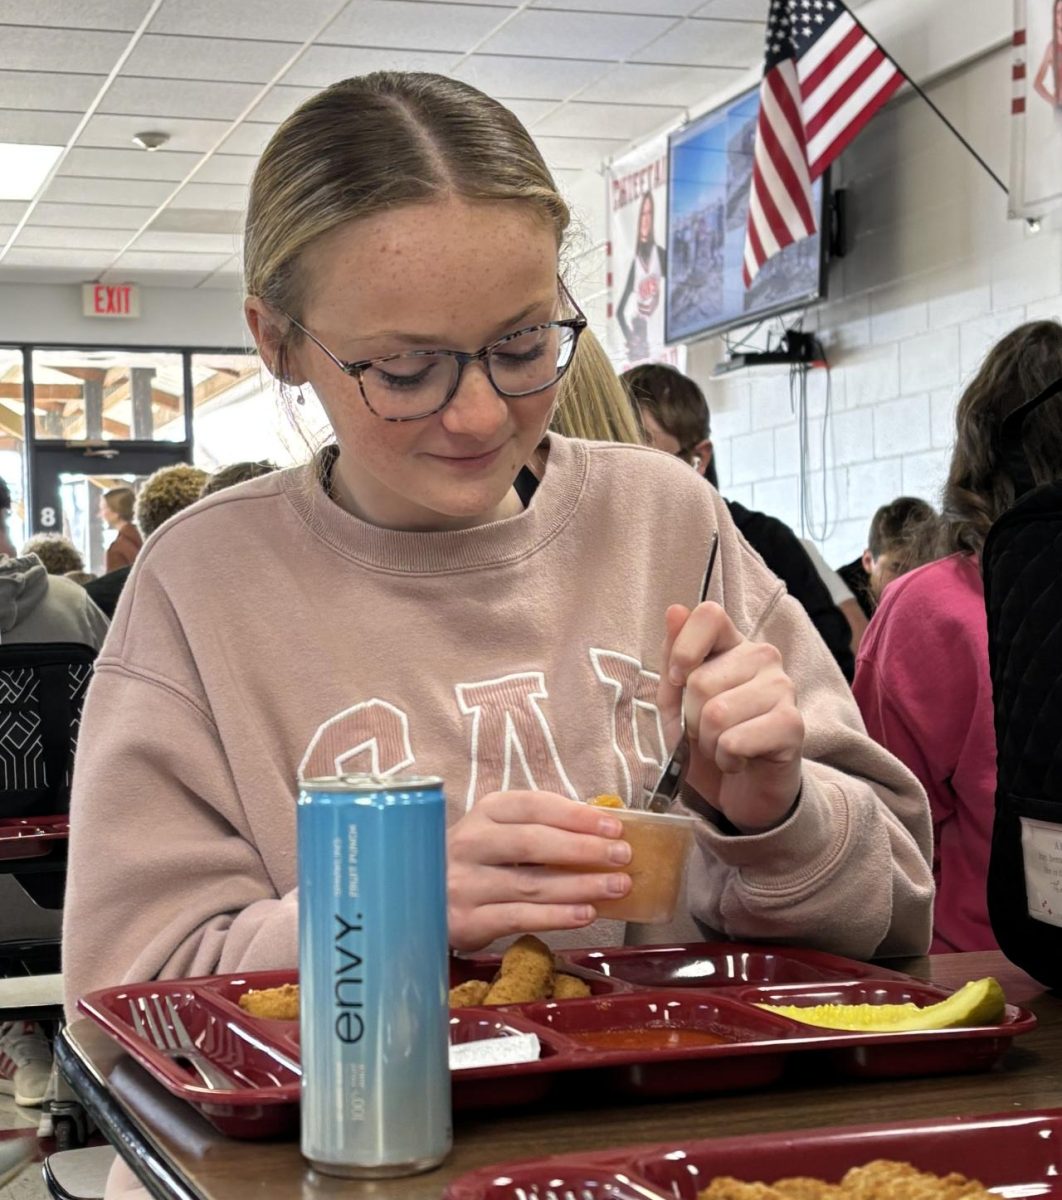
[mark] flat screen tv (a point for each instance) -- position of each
(709, 176)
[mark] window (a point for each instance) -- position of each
(112, 395)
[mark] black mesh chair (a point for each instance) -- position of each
(42, 688)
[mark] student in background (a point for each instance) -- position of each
(58, 553)
(840, 593)
(922, 680)
(676, 419)
(116, 509)
(234, 473)
(161, 496)
(7, 546)
(897, 529)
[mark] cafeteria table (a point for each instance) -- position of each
(179, 1156)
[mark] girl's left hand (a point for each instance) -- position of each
(746, 733)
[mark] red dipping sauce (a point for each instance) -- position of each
(647, 1037)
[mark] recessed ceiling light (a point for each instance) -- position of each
(23, 168)
(150, 139)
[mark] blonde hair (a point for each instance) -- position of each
(379, 141)
(165, 493)
(593, 403)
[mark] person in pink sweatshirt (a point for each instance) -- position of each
(922, 676)
(448, 588)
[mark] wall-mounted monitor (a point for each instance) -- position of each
(709, 177)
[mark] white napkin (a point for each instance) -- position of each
(493, 1052)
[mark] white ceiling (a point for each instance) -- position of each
(586, 76)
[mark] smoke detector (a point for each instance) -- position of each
(150, 139)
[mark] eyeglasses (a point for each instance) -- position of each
(420, 383)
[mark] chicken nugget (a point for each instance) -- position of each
(724, 1187)
(272, 1004)
(469, 993)
(526, 973)
(568, 987)
(801, 1187)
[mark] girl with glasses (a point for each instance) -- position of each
(450, 588)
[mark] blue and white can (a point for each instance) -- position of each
(374, 1015)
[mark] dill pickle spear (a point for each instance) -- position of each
(980, 1002)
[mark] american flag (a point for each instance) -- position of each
(824, 77)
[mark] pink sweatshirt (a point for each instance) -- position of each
(265, 632)
(923, 685)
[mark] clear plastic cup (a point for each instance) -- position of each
(660, 848)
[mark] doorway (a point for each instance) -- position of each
(69, 481)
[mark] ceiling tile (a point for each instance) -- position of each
(399, 23)
(322, 65)
(143, 260)
(227, 168)
(280, 102)
(80, 51)
(107, 191)
(78, 14)
(531, 111)
(702, 43)
(226, 280)
(197, 220)
(11, 211)
(37, 256)
(738, 10)
(270, 20)
(74, 239)
(127, 164)
(227, 60)
(569, 34)
(250, 137)
(48, 90)
(661, 8)
(89, 216)
(46, 274)
(577, 153)
(177, 98)
(622, 121)
(206, 243)
(683, 86)
(45, 128)
(113, 131)
(155, 279)
(213, 195)
(528, 78)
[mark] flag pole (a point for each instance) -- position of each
(995, 178)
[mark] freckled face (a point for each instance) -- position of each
(449, 275)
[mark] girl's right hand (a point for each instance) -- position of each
(525, 862)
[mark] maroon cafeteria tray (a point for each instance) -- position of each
(31, 837)
(1014, 1154)
(705, 991)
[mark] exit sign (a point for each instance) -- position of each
(110, 300)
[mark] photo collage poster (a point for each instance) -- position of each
(637, 269)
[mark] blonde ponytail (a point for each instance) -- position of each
(592, 401)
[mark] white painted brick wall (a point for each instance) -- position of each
(934, 276)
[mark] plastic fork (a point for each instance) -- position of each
(660, 798)
(168, 1034)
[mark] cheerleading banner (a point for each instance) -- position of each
(1036, 108)
(637, 268)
